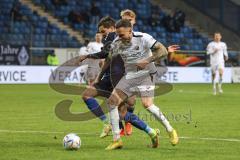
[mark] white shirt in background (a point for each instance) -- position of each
(218, 57)
(93, 47)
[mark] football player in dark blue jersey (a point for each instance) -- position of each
(107, 80)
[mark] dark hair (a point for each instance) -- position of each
(106, 22)
(86, 41)
(123, 23)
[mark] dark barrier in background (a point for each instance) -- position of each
(188, 58)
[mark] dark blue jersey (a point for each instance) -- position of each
(115, 70)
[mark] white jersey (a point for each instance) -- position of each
(83, 51)
(217, 58)
(139, 48)
(93, 47)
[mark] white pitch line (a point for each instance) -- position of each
(39, 132)
(53, 132)
(212, 139)
(201, 92)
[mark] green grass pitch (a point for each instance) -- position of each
(209, 126)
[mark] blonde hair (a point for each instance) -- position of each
(128, 12)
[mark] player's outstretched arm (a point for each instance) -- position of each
(103, 53)
(173, 48)
(225, 53)
(99, 55)
(158, 51)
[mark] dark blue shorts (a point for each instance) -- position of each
(104, 87)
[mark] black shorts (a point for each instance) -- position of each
(104, 87)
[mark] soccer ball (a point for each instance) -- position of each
(71, 142)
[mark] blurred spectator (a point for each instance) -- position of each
(17, 16)
(76, 17)
(95, 13)
(156, 16)
(52, 59)
(85, 17)
(59, 3)
(174, 21)
(179, 19)
(168, 23)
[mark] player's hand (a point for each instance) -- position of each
(142, 64)
(225, 58)
(173, 48)
(216, 50)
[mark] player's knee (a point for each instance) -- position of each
(221, 73)
(146, 104)
(85, 96)
(122, 112)
(112, 101)
(131, 101)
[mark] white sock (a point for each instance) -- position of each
(214, 84)
(220, 83)
(159, 115)
(114, 119)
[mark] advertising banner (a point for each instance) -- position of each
(14, 55)
(41, 74)
(236, 75)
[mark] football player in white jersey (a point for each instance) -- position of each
(218, 55)
(135, 49)
(130, 15)
(93, 64)
(83, 49)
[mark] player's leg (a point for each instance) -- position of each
(88, 97)
(116, 98)
(147, 93)
(130, 108)
(221, 69)
(213, 68)
(153, 109)
(92, 74)
(140, 124)
(91, 82)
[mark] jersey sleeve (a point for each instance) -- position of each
(90, 47)
(225, 50)
(148, 40)
(82, 51)
(210, 48)
(103, 53)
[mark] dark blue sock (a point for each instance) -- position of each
(135, 121)
(130, 109)
(94, 107)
